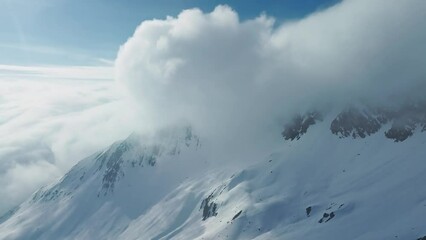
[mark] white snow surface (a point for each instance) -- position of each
(373, 187)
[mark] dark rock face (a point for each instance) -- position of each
(406, 121)
(209, 207)
(356, 123)
(308, 211)
(300, 125)
(362, 123)
(422, 238)
(113, 163)
(327, 217)
(237, 215)
(399, 134)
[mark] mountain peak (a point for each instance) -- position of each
(360, 122)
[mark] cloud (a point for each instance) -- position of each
(50, 118)
(234, 81)
(225, 76)
(10, 72)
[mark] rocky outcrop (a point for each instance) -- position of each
(308, 211)
(300, 125)
(209, 207)
(128, 152)
(113, 166)
(363, 122)
(406, 121)
(327, 217)
(357, 123)
(237, 215)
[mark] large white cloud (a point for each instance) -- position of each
(220, 73)
(50, 118)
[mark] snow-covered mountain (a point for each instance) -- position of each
(355, 174)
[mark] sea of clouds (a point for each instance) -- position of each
(49, 119)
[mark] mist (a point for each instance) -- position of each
(49, 122)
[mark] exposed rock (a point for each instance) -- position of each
(300, 125)
(209, 207)
(113, 161)
(126, 153)
(405, 122)
(327, 217)
(330, 217)
(308, 211)
(356, 123)
(399, 134)
(362, 123)
(237, 215)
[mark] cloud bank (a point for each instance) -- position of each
(16, 72)
(224, 75)
(51, 120)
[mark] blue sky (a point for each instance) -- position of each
(89, 32)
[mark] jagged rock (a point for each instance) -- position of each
(300, 125)
(399, 134)
(209, 207)
(111, 162)
(405, 122)
(356, 123)
(308, 211)
(331, 216)
(327, 217)
(362, 123)
(237, 215)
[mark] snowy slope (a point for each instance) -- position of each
(348, 183)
